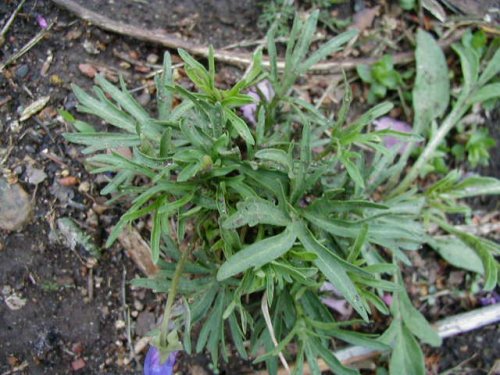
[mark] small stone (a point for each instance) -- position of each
(88, 70)
(145, 322)
(120, 324)
(138, 305)
(18, 170)
(15, 126)
(90, 47)
(144, 98)
(78, 364)
(84, 187)
(34, 175)
(68, 181)
(152, 58)
(15, 206)
(14, 302)
(74, 34)
(56, 80)
(124, 65)
(141, 344)
(22, 71)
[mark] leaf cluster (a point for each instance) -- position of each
(256, 219)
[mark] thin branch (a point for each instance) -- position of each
(448, 327)
(11, 19)
(38, 37)
(240, 59)
(270, 328)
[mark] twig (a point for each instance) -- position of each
(448, 327)
(270, 329)
(452, 370)
(19, 368)
(131, 61)
(26, 48)
(11, 19)
(233, 58)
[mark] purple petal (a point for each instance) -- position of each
(392, 124)
(339, 305)
(266, 89)
(328, 287)
(42, 22)
(491, 299)
(152, 365)
(249, 110)
(387, 299)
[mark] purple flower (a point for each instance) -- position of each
(492, 299)
(340, 305)
(42, 22)
(389, 123)
(263, 88)
(152, 365)
(387, 299)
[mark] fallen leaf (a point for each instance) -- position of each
(34, 108)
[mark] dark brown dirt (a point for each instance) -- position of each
(60, 324)
(216, 22)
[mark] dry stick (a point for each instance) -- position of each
(448, 327)
(10, 20)
(159, 36)
(26, 48)
(269, 324)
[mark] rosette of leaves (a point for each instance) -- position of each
(249, 222)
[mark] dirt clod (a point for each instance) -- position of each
(15, 206)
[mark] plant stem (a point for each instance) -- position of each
(450, 121)
(171, 298)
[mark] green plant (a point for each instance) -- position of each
(473, 146)
(381, 76)
(279, 13)
(248, 223)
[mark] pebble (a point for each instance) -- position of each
(29, 149)
(15, 206)
(84, 187)
(120, 324)
(145, 322)
(22, 71)
(78, 364)
(35, 176)
(152, 58)
(138, 305)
